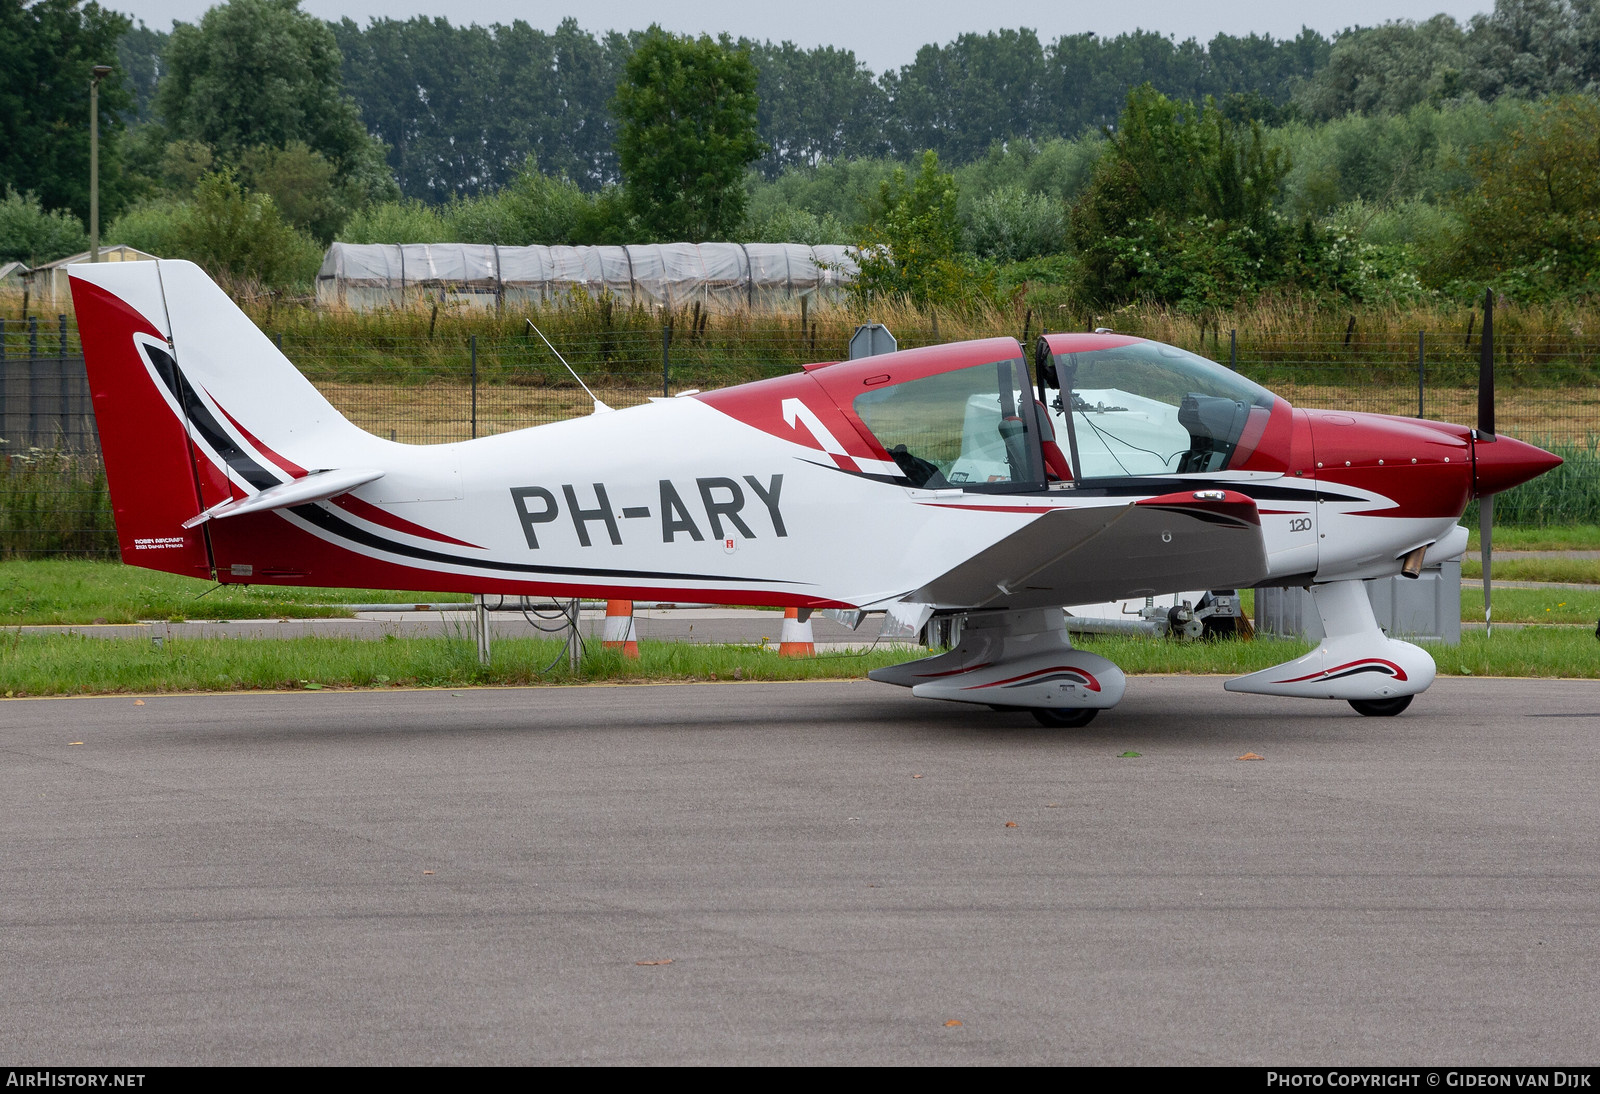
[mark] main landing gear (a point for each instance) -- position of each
(1356, 662)
(1016, 661)
(1023, 660)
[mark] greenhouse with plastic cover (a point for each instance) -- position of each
(720, 277)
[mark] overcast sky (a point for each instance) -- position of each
(883, 33)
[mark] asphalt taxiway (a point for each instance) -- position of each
(799, 873)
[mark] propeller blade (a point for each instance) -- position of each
(1486, 541)
(1486, 433)
(1486, 368)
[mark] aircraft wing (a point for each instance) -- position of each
(1202, 539)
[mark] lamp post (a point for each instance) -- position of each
(100, 73)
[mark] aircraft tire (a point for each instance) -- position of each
(1054, 718)
(1381, 708)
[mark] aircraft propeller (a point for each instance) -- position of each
(1486, 434)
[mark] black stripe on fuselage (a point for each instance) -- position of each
(259, 477)
(335, 525)
(204, 423)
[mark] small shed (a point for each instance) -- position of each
(722, 277)
(49, 285)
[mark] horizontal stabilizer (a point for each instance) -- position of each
(317, 486)
(1204, 539)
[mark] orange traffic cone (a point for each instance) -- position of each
(795, 639)
(620, 632)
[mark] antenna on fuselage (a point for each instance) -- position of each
(598, 405)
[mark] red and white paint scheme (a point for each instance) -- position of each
(975, 478)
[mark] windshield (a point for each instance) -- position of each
(969, 428)
(1151, 409)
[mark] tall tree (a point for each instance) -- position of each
(1536, 47)
(141, 56)
(47, 52)
(1534, 215)
(687, 114)
(461, 108)
(815, 106)
(981, 88)
(1388, 69)
(913, 240)
(261, 72)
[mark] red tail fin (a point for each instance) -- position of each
(149, 464)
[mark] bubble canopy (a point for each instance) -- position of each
(1134, 408)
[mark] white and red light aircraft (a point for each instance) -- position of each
(949, 479)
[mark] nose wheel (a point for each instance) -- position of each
(1381, 708)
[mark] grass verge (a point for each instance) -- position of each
(68, 591)
(1569, 571)
(35, 665)
(64, 664)
(1532, 605)
(1570, 537)
(76, 592)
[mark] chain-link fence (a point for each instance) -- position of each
(426, 390)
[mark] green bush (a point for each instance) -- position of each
(404, 221)
(241, 236)
(1386, 159)
(1531, 223)
(912, 245)
(789, 225)
(234, 234)
(844, 190)
(1011, 224)
(30, 234)
(152, 226)
(1059, 169)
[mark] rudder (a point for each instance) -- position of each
(173, 367)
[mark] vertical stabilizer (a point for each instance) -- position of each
(195, 407)
(149, 468)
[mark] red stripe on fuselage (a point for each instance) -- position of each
(351, 504)
(280, 552)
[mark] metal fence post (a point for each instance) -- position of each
(4, 372)
(1422, 357)
(63, 413)
(33, 379)
(473, 342)
(1233, 348)
(666, 361)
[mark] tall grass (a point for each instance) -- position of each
(53, 502)
(1568, 495)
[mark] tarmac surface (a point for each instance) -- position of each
(799, 873)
